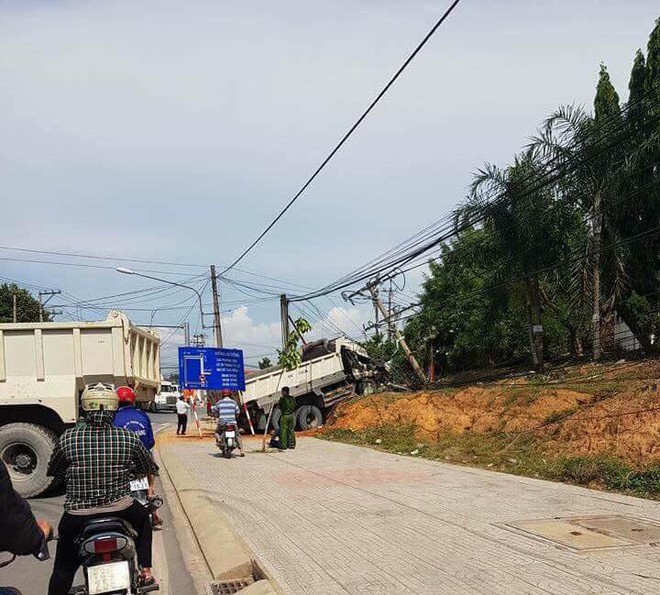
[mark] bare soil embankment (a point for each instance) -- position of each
(597, 425)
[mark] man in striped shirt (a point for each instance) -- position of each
(228, 411)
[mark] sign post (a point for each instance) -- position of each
(211, 368)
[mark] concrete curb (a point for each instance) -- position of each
(226, 554)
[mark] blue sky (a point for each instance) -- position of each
(175, 130)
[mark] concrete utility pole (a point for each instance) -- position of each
(389, 312)
(217, 320)
(50, 294)
(399, 337)
(186, 333)
(375, 293)
(284, 320)
(15, 310)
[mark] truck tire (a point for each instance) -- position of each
(309, 417)
(26, 449)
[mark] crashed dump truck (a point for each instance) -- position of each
(44, 367)
(331, 371)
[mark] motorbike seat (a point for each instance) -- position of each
(106, 525)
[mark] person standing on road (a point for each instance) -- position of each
(182, 416)
(287, 420)
(228, 412)
(97, 460)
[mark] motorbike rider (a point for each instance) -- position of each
(96, 460)
(228, 410)
(20, 533)
(135, 420)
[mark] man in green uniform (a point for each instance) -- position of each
(288, 420)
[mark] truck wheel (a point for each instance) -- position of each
(26, 450)
(309, 417)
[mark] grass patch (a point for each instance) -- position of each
(519, 454)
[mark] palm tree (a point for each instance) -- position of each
(523, 219)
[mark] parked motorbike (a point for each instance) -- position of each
(226, 441)
(106, 550)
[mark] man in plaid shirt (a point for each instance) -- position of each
(97, 460)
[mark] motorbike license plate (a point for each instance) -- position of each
(105, 578)
(230, 434)
(139, 484)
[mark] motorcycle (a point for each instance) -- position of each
(226, 441)
(106, 550)
(9, 590)
(7, 562)
(140, 492)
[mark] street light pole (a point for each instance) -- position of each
(125, 271)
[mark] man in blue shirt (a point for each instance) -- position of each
(129, 417)
(228, 411)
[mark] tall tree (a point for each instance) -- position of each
(27, 307)
(520, 208)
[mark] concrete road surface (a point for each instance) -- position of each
(31, 576)
(330, 518)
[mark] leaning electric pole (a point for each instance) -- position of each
(395, 331)
(372, 288)
(217, 319)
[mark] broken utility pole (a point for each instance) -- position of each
(395, 331)
(217, 320)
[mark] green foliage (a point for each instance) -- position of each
(264, 363)
(291, 356)
(528, 247)
(27, 307)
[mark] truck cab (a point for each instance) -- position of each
(166, 399)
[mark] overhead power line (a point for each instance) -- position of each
(346, 136)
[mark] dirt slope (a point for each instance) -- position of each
(588, 410)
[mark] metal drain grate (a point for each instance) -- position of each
(230, 587)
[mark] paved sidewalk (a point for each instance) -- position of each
(330, 518)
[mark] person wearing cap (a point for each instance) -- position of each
(96, 460)
(130, 418)
(228, 410)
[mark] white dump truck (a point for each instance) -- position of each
(44, 368)
(331, 371)
(167, 397)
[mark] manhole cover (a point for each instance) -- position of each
(592, 533)
(637, 530)
(230, 587)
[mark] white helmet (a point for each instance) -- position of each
(99, 397)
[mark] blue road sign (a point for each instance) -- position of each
(211, 368)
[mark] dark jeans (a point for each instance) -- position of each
(182, 423)
(66, 558)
